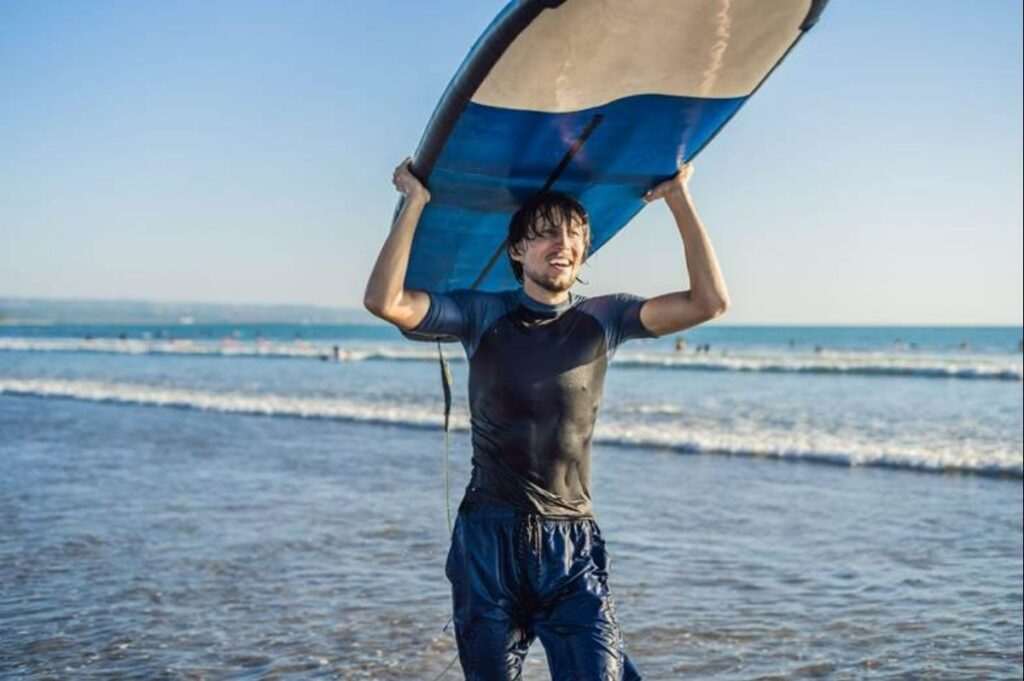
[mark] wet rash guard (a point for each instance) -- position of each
(536, 377)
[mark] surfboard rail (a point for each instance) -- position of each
(508, 126)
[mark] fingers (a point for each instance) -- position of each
(400, 177)
(406, 182)
(677, 182)
(403, 166)
(659, 191)
(685, 172)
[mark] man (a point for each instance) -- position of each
(527, 558)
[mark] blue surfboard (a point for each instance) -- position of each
(599, 99)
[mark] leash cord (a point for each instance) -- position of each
(446, 384)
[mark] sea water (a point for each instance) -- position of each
(249, 500)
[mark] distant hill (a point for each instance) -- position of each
(51, 311)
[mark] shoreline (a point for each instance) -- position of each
(208, 545)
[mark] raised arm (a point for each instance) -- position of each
(386, 296)
(707, 297)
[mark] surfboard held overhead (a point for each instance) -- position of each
(599, 99)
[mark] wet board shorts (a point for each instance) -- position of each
(516, 576)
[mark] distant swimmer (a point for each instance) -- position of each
(337, 355)
(680, 345)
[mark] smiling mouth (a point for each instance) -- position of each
(562, 264)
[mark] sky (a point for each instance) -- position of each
(241, 152)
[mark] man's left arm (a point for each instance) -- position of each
(707, 297)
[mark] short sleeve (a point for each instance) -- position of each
(619, 314)
(446, 317)
(461, 315)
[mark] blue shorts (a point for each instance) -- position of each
(516, 576)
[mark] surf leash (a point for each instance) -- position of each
(446, 385)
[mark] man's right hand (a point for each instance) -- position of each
(408, 184)
(386, 295)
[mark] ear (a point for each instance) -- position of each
(515, 251)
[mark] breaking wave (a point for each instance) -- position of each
(809, 446)
(827, 362)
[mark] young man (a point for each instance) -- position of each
(527, 558)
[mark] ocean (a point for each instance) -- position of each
(242, 500)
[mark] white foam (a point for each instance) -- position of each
(735, 439)
(240, 403)
(833, 362)
(818, 446)
(224, 348)
(1003, 367)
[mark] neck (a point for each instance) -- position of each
(542, 295)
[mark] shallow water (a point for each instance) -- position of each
(161, 542)
(970, 419)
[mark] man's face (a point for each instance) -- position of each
(553, 254)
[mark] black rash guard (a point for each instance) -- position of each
(536, 377)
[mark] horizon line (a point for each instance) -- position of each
(14, 321)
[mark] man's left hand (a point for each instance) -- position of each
(675, 188)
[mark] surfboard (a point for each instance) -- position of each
(600, 99)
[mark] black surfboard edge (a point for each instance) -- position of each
(813, 14)
(478, 64)
(489, 49)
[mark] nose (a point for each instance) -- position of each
(564, 237)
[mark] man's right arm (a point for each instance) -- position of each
(386, 295)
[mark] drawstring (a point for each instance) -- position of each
(531, 537)
(534, 533)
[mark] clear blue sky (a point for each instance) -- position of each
(242, 151)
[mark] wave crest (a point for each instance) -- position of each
(827, 362)
(807, 446)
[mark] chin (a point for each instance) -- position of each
(555, 285)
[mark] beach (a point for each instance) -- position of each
(249, 502)
(219, 461)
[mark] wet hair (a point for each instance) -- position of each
(552, 208)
